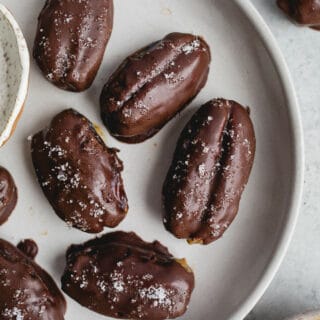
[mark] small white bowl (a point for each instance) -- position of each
(315, 315)
(14, 73)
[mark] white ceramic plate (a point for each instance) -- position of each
(231, 274)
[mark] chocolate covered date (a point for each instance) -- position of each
(28, 247)
(304, 12)
(79, 175)
(153, 85)
(71, 40)
(8, 195)
(119, 275)
(27, 292)
(210, 168)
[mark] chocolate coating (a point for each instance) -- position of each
(71, 40)
(8, 195)
(27, 291)
(28, 247)
(210, 168)
(151, 86)
(79, 174)
(119, 275)
(305, 12)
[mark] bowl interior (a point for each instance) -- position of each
(10, 70)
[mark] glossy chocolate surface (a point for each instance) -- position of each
(79, 174)
(153, 85)
(29, 248)
(27, 292)
(8, 195)
(119, 275)
(210, 169)
(305, 12)
(71, 39)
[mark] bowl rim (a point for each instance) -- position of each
(24, 59)
(275, 54)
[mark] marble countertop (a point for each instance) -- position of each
(296, 287)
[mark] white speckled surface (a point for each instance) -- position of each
(296, 288)
(10, 67)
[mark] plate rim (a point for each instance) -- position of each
(295, 119)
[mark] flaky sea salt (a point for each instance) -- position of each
(13, 313)
(157, 294)
(189, 48)
(202, 170)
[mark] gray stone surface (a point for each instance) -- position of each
(296, 287)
